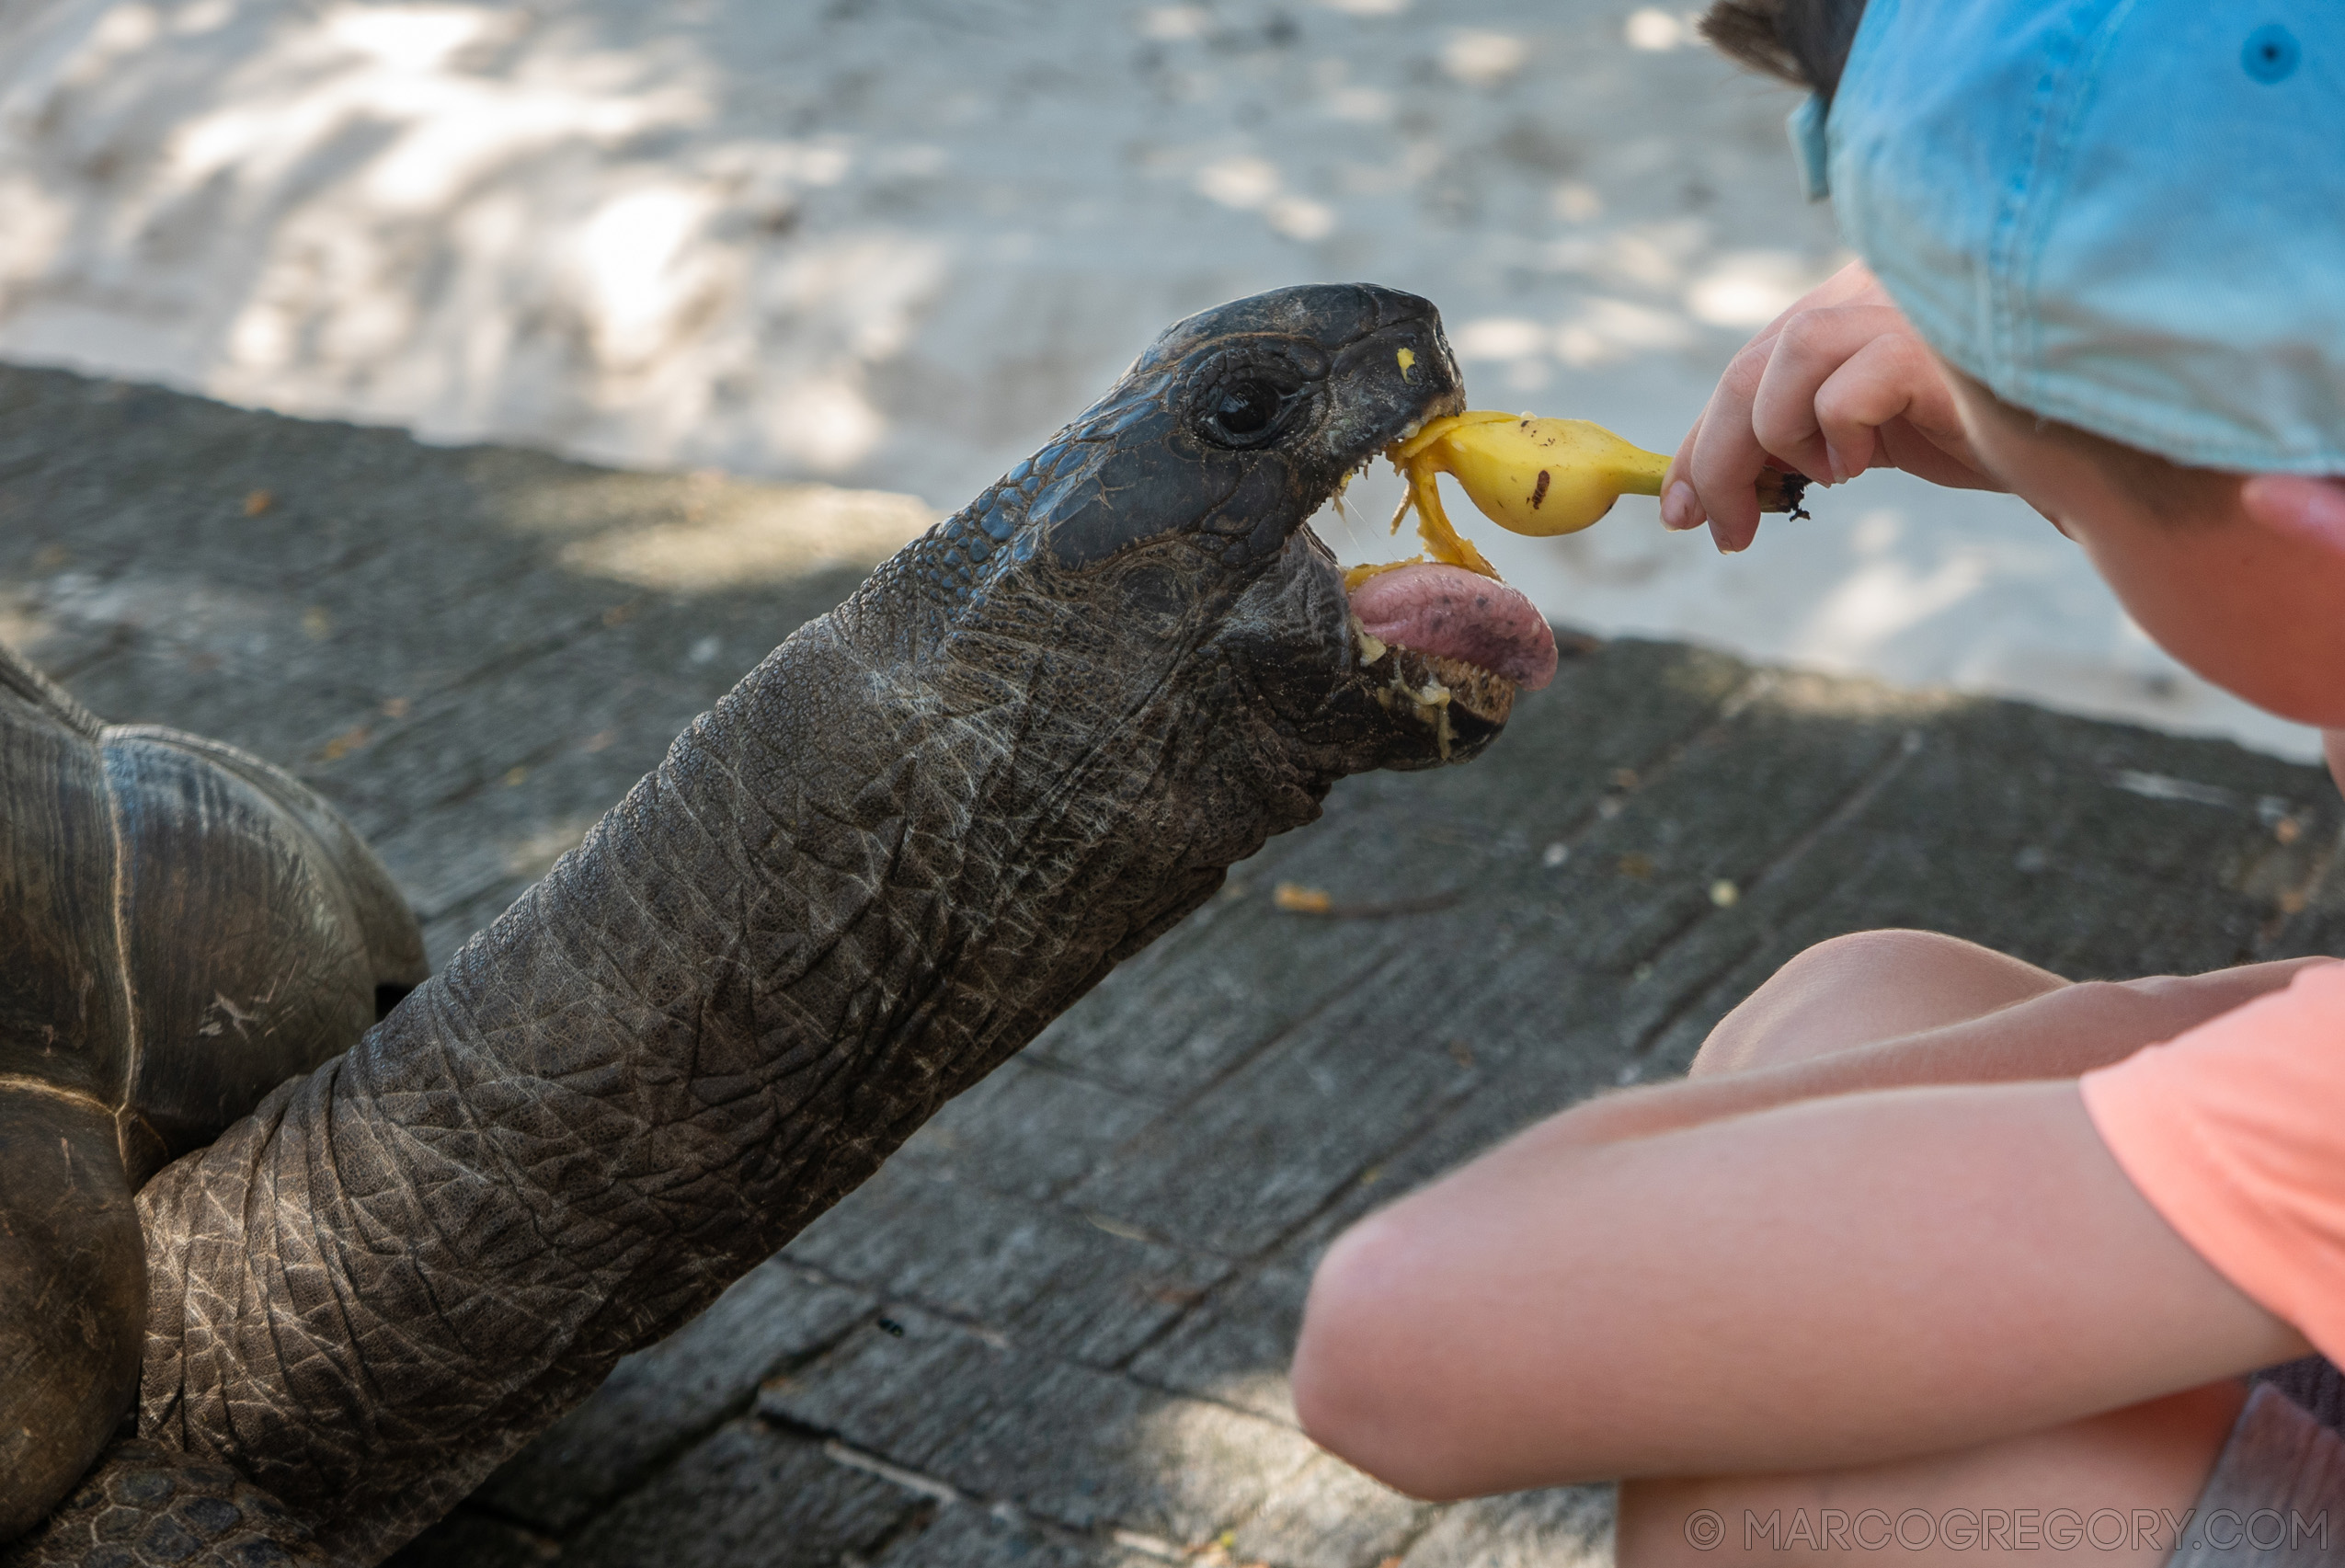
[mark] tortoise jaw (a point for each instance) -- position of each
(1449, 649)
(1462, 703)
(1395, 380)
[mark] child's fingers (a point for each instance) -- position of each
(1890, 378)
(1723, 465)
(1927, 455)
(1853, 284)
(1891, 403)
(1680, 508)
(1713, 475)
(1842, 348)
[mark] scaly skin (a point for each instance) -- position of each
(922, 828)
(154, 1504)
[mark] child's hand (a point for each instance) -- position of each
(1838, 384)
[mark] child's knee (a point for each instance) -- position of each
(1866, 986)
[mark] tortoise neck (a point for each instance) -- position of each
(845, 894)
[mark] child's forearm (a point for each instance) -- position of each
(2064, 1033)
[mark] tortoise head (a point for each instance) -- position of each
(1155, 552)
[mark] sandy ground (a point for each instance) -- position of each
(893, 244)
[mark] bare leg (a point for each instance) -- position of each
(1988, 1503)
(1866, 987)
(2125, 1479)
(1678, 1341)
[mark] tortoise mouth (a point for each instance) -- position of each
(1446, 613)
(1450, 648)
(1464, 705)
(1448, 645)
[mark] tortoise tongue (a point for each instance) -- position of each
(1459, 615)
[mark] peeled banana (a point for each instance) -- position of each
(1531, 475)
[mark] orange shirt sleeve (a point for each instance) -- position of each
(2234, 1132)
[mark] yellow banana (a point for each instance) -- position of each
(1535, 476)
(1530, 475)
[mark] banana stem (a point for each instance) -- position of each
(1643, 478)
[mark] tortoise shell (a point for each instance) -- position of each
(182, 928)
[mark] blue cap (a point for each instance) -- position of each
(2128, 215)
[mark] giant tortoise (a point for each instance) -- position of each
(371, 1259)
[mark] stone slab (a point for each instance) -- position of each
(753, 1497)
(1567, 1526)
(658, 1401)
(1328, 1515)
(1076, 1285)
(1085, 1449)
(966, 1535)
(1029, 1130)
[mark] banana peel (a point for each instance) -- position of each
(1542, 477)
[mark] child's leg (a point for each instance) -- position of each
(1420, 1360)
(1878, 1008)
(1857, 990)
(2125, 1481)
(1867, 985)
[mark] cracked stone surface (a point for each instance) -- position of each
(1053, 1332)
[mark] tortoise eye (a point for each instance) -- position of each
(1248, 411)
